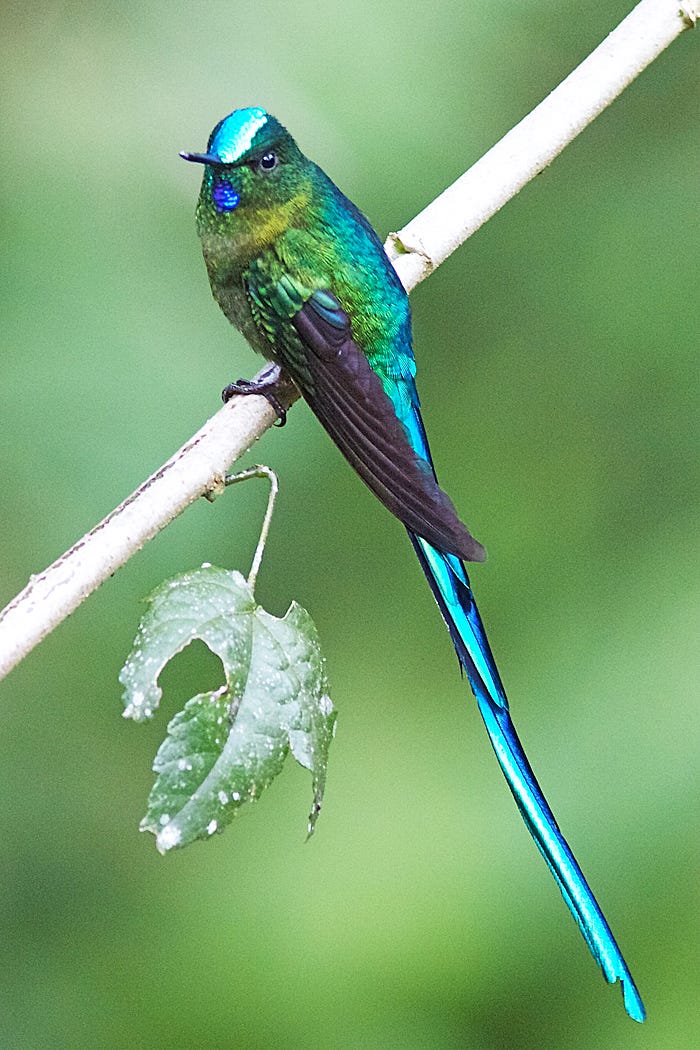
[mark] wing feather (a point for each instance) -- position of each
(337, 381)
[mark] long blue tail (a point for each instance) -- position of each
(450, 586)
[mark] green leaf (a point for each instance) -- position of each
(226, 746)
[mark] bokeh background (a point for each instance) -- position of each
(558, 370)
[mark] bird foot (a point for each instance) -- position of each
(267, 386)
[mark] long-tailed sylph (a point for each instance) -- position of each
(301, 273)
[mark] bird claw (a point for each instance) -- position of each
(266, 388)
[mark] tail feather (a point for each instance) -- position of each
(450, 586)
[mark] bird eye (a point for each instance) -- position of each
(268, 161)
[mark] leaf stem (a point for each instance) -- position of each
(259, 471)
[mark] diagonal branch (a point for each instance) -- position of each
(198, 468)
(531, 145)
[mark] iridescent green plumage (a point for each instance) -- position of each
(296, 224)
(283, 244)
(299, 270)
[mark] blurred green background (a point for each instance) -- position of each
(558, 370)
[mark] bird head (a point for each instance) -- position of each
(254, 175)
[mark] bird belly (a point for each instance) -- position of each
(232, 297)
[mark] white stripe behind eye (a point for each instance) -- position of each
(237, 132)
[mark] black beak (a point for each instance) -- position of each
(202, 158)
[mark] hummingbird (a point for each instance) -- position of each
(301, 273)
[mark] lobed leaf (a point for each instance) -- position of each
(226, 746)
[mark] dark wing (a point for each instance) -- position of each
(348, 397)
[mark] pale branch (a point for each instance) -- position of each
(437, 231)
(199, 467)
